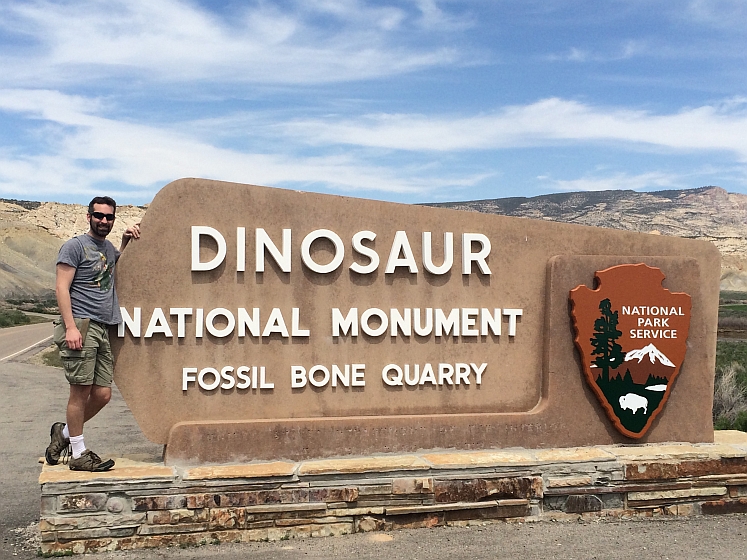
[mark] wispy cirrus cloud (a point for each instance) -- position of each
(399, 99)
(177, 41)
(626, 50)
(616, 181)
(722, 14)
(87, 150)
(709, 127)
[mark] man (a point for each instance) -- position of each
(88, 306)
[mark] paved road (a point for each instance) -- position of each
(16, 339)
(32, 397)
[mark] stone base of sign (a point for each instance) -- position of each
(144, 505)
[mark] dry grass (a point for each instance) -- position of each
(49, 356)
(735, 323)
(729, 397)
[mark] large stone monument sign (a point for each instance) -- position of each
(263, 323)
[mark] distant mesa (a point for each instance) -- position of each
(34, 231)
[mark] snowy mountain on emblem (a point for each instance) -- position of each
(653, 353)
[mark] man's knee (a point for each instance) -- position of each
(79, 394)
(102, 395)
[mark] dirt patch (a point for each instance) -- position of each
(48, 356)
(24, 539)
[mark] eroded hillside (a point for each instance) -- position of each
(31, 232)
(708, 213)
(31, 235)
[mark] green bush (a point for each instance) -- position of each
(727, 296)
(739, 424)
(729, 352)
(13, 317)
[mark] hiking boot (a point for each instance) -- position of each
(59, 445)
(91, 462)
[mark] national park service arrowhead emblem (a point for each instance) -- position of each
(631, 334)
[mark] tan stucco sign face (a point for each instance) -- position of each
(264, 323)
(631, 334)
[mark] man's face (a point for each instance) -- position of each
(101, 220)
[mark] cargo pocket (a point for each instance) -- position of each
(74, 363)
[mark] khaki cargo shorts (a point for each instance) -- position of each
(94, 363)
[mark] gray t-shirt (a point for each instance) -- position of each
(92, 292)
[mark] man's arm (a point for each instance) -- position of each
(132, 232)
(65, 275)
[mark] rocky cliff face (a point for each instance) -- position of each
(708, 213)
(31, 233)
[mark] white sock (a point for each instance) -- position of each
(65, 432)
(79, 447)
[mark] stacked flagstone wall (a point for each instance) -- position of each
(140, 505)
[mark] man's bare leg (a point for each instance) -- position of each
(84, 403)
(76, 408)
(97, 400)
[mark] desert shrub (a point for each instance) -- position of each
(726, 297)
(730, 398)
(732, 322)
(46, 305)
(50, 309)
(12, 317)
(729, 351)
(739, 424)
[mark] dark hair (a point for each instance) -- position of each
(102, 200)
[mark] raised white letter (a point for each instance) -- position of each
(512, 315)
(158, 324)
(468, 257)
(186, 377)
(181, 313)
(197, 231)
(428, 253)
(361, 249)
(262, 241)
(225, 331)
(366, 316)
(240, 249)
(306, 251)
(401, 245)
(132, 323)
(345, 324)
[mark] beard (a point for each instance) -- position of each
(101, 229)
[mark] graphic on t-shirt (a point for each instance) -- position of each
(104, 270)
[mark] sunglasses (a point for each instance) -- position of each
(101, 216)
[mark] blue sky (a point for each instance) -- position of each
(408, 101)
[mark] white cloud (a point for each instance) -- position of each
(627, 49)
(90, 150)
(617, 181)
(82, 149)
(718, 13)
(546, 122)
(434, 18)
(178, 41)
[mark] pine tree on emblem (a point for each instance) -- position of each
(609, 353)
